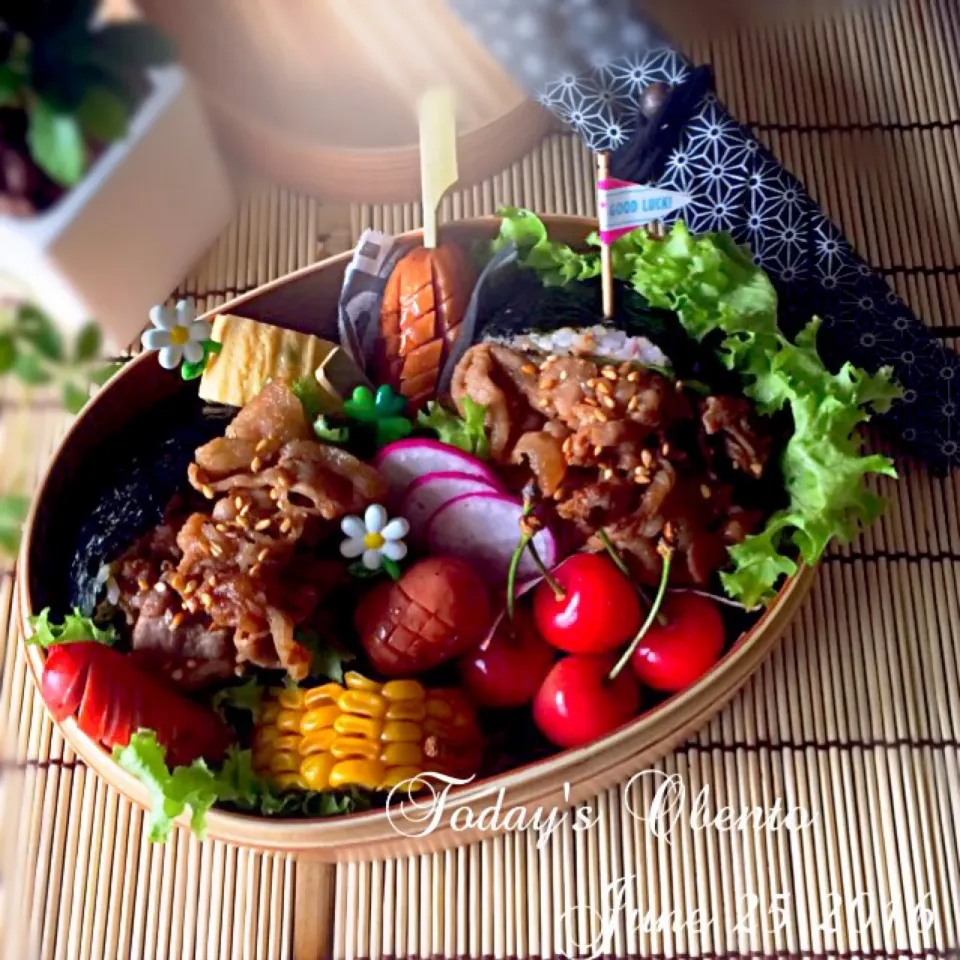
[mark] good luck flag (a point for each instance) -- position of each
(623, 206)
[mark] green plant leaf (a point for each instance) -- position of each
(56, 143)
(11, 83)
(102, 374)
(29, 368)
(13, 512)
(103, 115)
(74, 397)
(88, 344)
(9, 542)
(34, 325)
(132, 44)
(8, 352)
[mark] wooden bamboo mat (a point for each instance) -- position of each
(855, 717)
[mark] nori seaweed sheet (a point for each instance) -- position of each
(119, 492)
(516, 302)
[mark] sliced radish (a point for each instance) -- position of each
(427, 494)
(403, 462)
(484, 529)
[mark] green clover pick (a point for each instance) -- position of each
(383, 410)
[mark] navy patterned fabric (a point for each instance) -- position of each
(590, 80)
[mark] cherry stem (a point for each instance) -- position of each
(528, 530)
(512, 575)
(618, 560)
(651, 616)
(558, 591)
(612, 550)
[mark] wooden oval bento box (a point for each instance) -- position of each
(587, 770)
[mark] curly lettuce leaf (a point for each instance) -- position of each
(322, 430)
(556, 263)
(327, 658)
(76, 628)
(246, 696)
(196, 788)
(171, 792)
(239, 784)
(713, 286)
(467, 433)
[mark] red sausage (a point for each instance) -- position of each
(436, 611)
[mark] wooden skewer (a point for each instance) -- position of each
(606, 263)
(438, 155)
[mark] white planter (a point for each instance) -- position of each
(123, 238)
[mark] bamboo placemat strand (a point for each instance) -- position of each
(855, 717)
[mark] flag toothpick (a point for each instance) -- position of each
(606, 262)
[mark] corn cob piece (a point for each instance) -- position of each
(364, 733)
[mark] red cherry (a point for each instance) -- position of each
(597, 612)
(673, 656)
(507, 668)
(577, 704)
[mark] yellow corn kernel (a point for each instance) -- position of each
(265, 737)
(321, 696)
(285, 763)
(362, 773)
(357, 681)
(291, 699)
(364, 702)
(344, 747)
(269, 712)
(362, 726)
(398, 775)
(400, 731)
(317, 742)
(315, 770)
(285, 743)
(439, 708)
(403, 690)
(318, 718)
(289, 721)
(407, 710)
(401, 754)
(289, 781)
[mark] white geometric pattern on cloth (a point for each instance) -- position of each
(589, 78)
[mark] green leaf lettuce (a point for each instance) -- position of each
(171, 792)
(196, 788)
(467, 433)
(76, 628)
